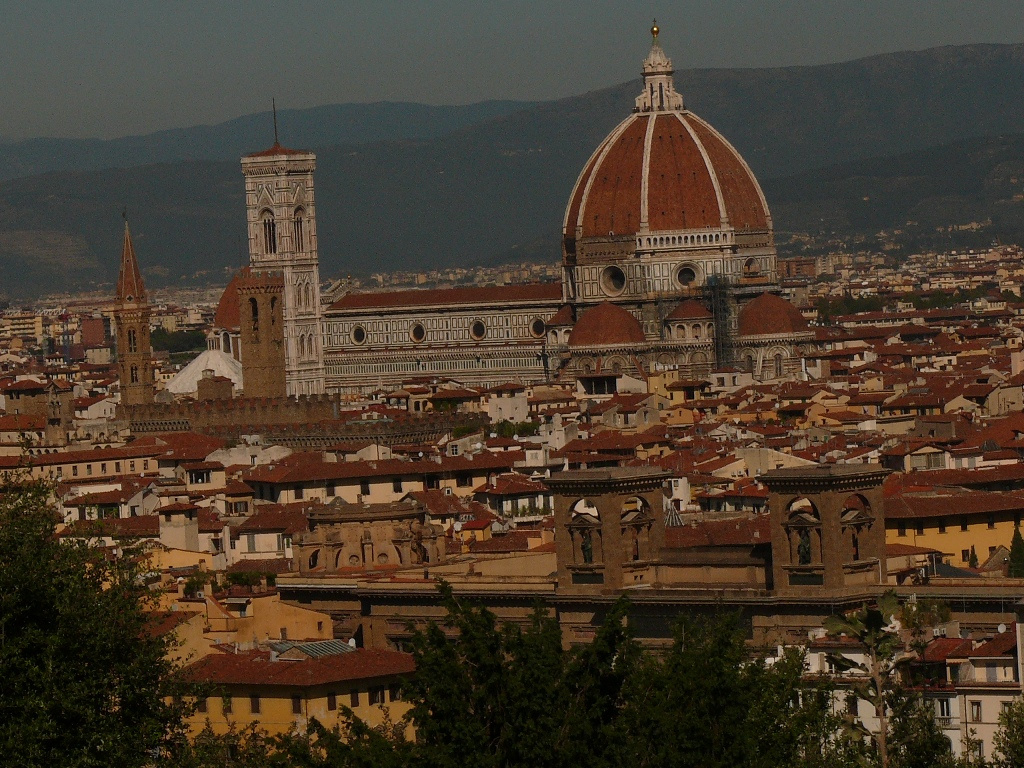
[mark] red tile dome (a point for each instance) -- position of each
(769, 315)
(691, 309)
(663, 169)
(228, 316)
(668, 171)
(606, 324)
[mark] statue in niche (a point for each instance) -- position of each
(587, 546)
(803, 548)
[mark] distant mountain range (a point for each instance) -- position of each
(489, 183)
(966, 194)
(315, 127)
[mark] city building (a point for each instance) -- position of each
(668, 262)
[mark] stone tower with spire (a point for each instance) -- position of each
(131, 324)
(281, 213)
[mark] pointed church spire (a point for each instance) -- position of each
(130, 288)
(659, 93)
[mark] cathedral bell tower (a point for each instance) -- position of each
(281, 216)
(131, 323)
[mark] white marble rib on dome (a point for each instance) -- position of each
(187, 379)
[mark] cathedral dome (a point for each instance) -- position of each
(691, 309)
(604, 325)
(663, 169)
(227, 316)
(770, 315)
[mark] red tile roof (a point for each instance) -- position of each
(286, 519)
(256, 668)
(606, 324)
(691, 309)
(277, 150)
(720, 533)
(430, 299)
(769, 315)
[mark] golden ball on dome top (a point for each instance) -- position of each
(654, 29)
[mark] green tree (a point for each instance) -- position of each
(84, 681)
(483, 697)
(706, 703)
(1008, 744)
(915, 739)
(973, 562)
(1017, 555)
(884, 654)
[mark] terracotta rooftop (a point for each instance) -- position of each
(685, 163)
(255, 668)
(277, 150)
(606, 324)
(430, 299)
(691, 309)
(768, 315)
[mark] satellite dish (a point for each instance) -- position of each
(1001, 628)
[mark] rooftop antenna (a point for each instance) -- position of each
(273, 106)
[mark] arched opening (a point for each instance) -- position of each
(686, 276)
(254, 312)
(856, 519)
(779, 365)
(751, 268)
(803, 528)
(269, 232)
(637, 521)
(314, 559)
(585, 533)
(298, 229)
(309, 296)
(273, 310)
(133, 374)
(225, 343)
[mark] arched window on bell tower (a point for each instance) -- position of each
(134, 374)
(133, 341)
(254, 309)
(298, 229)
(269, 232)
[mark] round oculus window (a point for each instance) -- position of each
(418, 333)
(613, 280)
(478, 330)
(537, 327)
(686, 276)
(359, 334)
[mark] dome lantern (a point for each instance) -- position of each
(659, 94)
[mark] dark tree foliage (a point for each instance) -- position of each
(177, 341)
(84, 682)
(915, 740)
(706, 704)
(509, 429)
(1017, 555)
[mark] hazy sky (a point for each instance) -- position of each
(82, 68)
